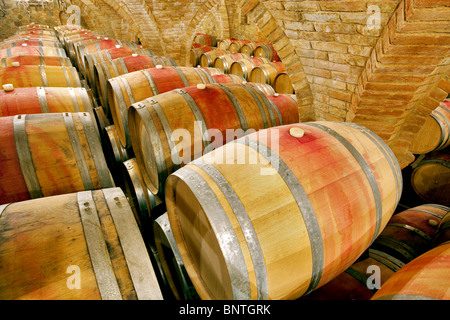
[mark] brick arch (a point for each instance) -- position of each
(93, 17)
(399, 86)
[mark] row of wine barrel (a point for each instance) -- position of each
(60, 152)
(254, 69)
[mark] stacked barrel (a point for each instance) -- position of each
(159, 181)
(59, 204)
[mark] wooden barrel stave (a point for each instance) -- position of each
(238, 107)
(266, 73)
(171, 264)
(244, 67)
(50, 154)
(95, 228)
(424, 278)
(33, 51)
(224, 62)
(45, 100)
(144, 84)
(40, 76)
(116, 67)
(213, 280)
(430, 178)
(36, 60)
(434, 134)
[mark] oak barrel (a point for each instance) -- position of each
(409, 233)
(146, 206)
(283, 211)
(36, 60)
(32, 51)
(283, 84)
(224, 44)
(206, 40)
(236, 46)
(245, 66)
(113, 68)
(442, 234)
(40, 76)
(435, 132)
(224, 62)
(171, 265)
(266, 73)
(430, 178)
(264, 87)
(30, 43)
(77, 246)
(196, 53)
(104, 44)
(287, 105)
(207, 59)
(50, 154)
(249, 48)
(228, 78)
(424, 278)
(238, 109)
(115, 153)
(37, 100)
(266, 50)
(136, 86)
(105, 56)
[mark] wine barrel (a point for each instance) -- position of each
(102, 121)
(266, 73)
(32, 51)
(37, 61)
(30, 43)
(283, 84)
(236, 46)
(424, 278)
(195, 45)
(50, 154)
(33, 26)
(207, 59)
(171, 265)
(77, 246)
(442, 234)
(110, 54)
(238, 109)
(33, 37)
(245, 66)
(435, 133)
(409, 233)
(40, 32)
(145, 205)
(212, 71)
(264, 87)
(113, 68)
(288, 107)
(353, 283)
(430, 179)
(133, 87)
(40, 76)
(300, 176)
(206, 40)
(249, 48)
(37, 100)
(225, 44)
(85, 49)
(115, 153)
(266, 50)
(228, 78)
(224, 62)
(196, 53)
